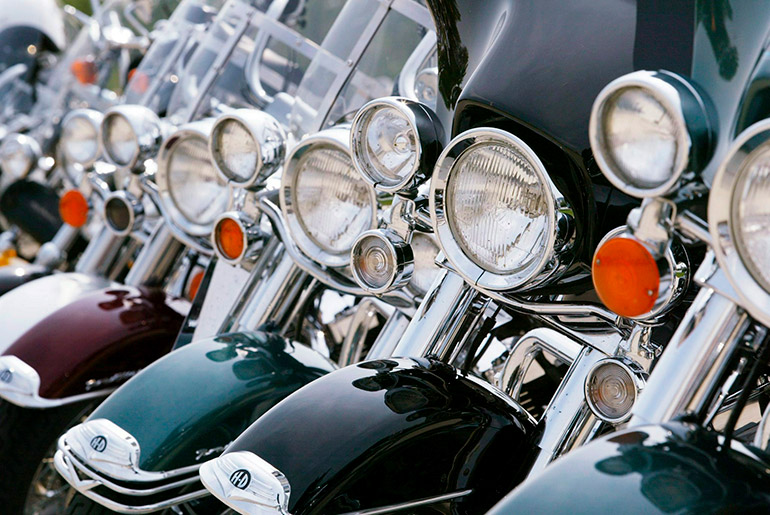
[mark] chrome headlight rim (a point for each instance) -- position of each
(637, 376)
(429, 134)
(269, 139)
(133, 208)
(29, 145)
(147, 130)
(722, 214)
(199, 129)
(94, 119)
(338, 138)
(464, 265)
(687, 109)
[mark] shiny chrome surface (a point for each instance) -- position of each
(250, 231)
(29, 147)
(412, 504)
(390, 335)
(155, 259)
(20, 385)
(101, 252)
(247, 483)
(148, 133)
(683, 102)
(133, 208)
(635, 372)
(52, 253)
(353, 345)
(399, 256)
(93, 118)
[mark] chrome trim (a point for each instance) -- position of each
(411, 69)
(100, 253)
(429, 139)
(634, 371)
(559, 219)
(400, 256)
(19, 142)
(53, 253)
(20, 385)
(268, 136)
(249, 229)
(148, 133)
(339, 139)
(411, 504)
(156, 258)
(247, 483)
(133, 207)
(92, 117)
(753, 296)
(682, 102)
(389, 336)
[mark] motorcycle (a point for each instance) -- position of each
(511, 353)
(246, 372)
(699, 431)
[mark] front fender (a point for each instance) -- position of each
(676, 468)
(187, 406)
(88, 346)
(382, 434)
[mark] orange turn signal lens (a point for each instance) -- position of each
(73, 208)
(626, 277)
(230, 238)
(84, 70)
(195, 284)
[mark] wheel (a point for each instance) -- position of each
(29, 483)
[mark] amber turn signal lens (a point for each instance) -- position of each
(230, 238)
(84, 71)
(195, 285)
(626, 277)
(73, 208)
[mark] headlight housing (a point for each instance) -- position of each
(326, 203)
(130, 134)
(193, 194)
(739, 218)
(647, 129)
(79, 140)
(499, 219)
(395, 142)
(18, 155)
(247, 146)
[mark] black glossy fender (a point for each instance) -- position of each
(391, 431)
(676, 468)
(12, 276)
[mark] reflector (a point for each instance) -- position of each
(73, 208)
(626, 277)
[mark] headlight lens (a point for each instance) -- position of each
(498, 208)
(80, 140)
(751, 211)
(18, 155)
(193, 183)
(641, 138)
(235, 150)
(120, 140)
(389, 145)
(334, 206)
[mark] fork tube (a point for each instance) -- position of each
(100, 253)
(156, 258)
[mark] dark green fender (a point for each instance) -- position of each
(186, 406)
(676, 468)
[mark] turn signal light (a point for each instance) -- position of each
(195, 284)
(84, 71)
(626, 277)
(73, 208)
(230, 238)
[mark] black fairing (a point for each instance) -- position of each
(675, 468)
(391, 431)
(15, 275)
(33, 207)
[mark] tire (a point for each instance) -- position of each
(27, 436)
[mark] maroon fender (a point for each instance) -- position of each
(97, 341)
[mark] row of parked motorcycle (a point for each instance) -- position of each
(384, 256)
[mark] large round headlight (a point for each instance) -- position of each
(18, 155)
(247, 146)
(79, 141)
(326, 203)
(647, 129)
(193, 193)
(130, 135)
(395, 142)
(739, 218)
(495, 209)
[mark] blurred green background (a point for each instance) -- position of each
(81, 5)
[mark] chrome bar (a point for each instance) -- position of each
(54, 252)
(100, 253)
(156, 258)
(392, 332)
(359, 328)
(688, 371)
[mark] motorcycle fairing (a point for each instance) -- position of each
(88, 345)
(674, 468)
(393, 431)
(33, 207)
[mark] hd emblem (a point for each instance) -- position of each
(6, 376)
(98, 443)
(240, 478)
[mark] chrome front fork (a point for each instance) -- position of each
(104, 253)
(54, 252)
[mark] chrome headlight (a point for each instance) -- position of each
(395, 142)
(647, 129)
(18, 155)
(739, 218)
(192, 192)
(495, 210)
(326, 203)
(79, 141)
(247, 146)
(130, 134)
